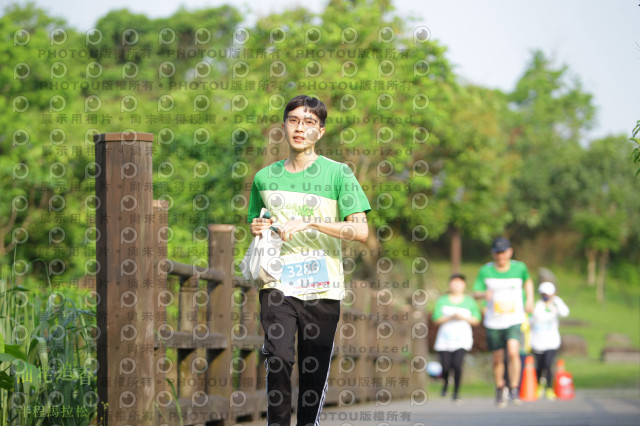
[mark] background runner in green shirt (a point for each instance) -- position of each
(455, 313)
(501, 284)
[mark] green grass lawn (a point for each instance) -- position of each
(590, 374)
(620, 313)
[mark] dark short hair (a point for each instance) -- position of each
(312, 105)
(459, 276)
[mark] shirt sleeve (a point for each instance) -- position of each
(525, 274)
(563, 309)
(525, 277)
(479, 284)
(437, 311)
(542, 313)
(255, 202)
(351, 197)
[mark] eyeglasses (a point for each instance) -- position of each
(294, 121)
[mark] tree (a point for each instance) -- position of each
(215, 104)
(472, 169)
(434, 156)
(606, 210)
(549, 113)
(41, 178)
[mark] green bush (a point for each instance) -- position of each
(627, 273)
(48, 360)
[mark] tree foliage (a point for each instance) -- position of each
(433, 154)
(549, 112)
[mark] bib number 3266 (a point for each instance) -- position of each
(304, 274)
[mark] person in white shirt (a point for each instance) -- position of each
(545, 337)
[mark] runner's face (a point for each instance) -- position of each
(502, 257)
(457, 286)
(302, 129)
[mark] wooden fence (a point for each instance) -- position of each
(192, 356)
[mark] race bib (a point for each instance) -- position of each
(505, 301)
(504, 307)
(304, 273)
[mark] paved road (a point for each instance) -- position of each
(589, 408)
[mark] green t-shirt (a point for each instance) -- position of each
(326, 191)
(455, 334)
(467, 303)
(506, 308)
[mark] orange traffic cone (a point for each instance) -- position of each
(529, 385)
(563, 385)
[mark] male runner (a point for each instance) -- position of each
(315, 202)
(502, 283)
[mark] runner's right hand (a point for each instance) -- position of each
(488, 294)
(259, 224)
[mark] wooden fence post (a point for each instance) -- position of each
(161, 364)
(362, 370)
(247, 341)
(219, 317)
(419, 348)
(125, 313)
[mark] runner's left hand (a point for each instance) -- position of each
(528, 306)
(291, 227)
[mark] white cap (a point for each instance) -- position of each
(547, 288)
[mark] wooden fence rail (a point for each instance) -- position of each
(193, 356)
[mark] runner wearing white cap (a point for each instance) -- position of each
(545, 337)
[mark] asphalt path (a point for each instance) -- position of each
(588, 408)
